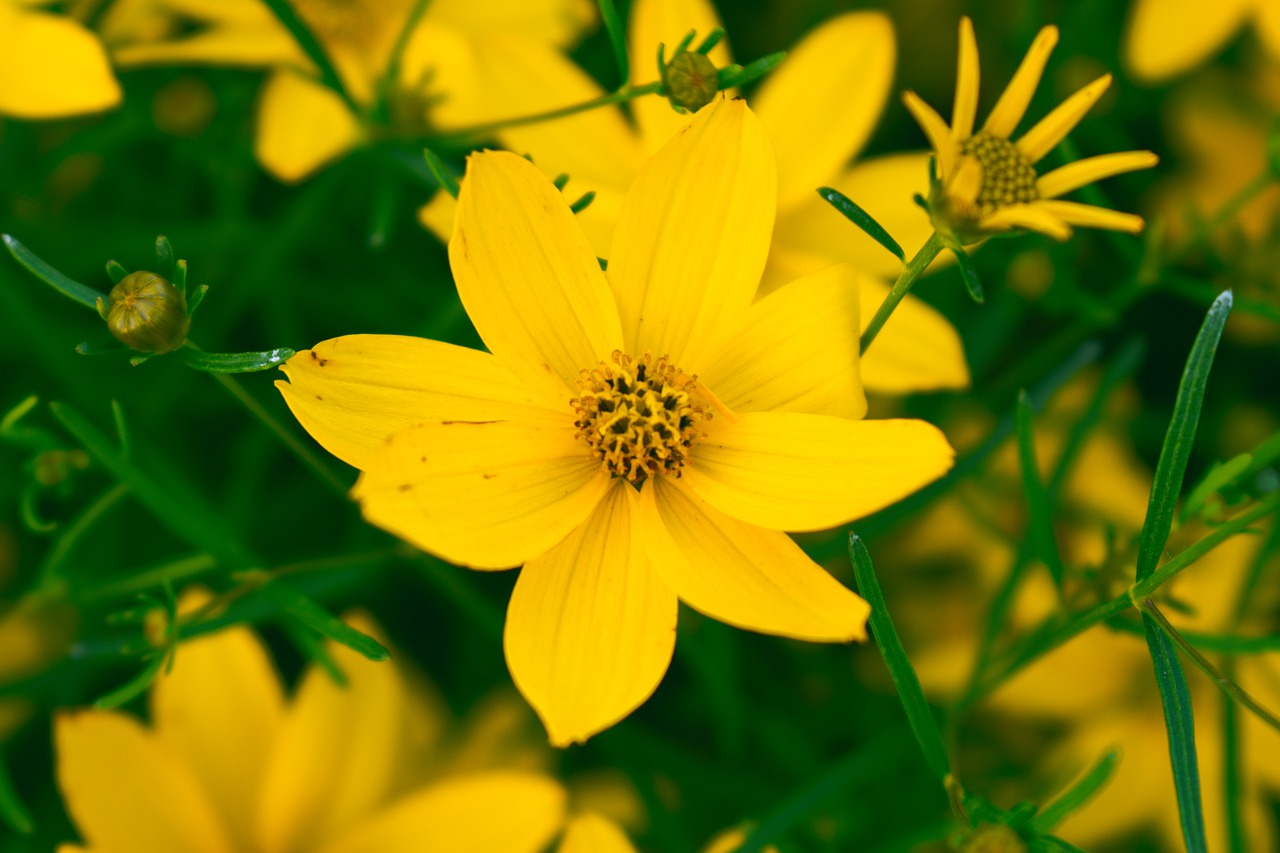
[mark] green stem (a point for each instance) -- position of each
(288, 439)
(626, 93)
(67, 542)
(1223, 215)
(173, 570)
(387, 84)
(910, 273)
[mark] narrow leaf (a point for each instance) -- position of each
(919, 715)
(859, 217)
(12, 810)
(1075, 796)
(969, 274)
(236, 362)
(1175, 453)
(713, 38)
(116, 272)
(135, 686)
(1037, 496)
(1180, 723)
(86, 296)
(617, 38)
(312, 615)
(164, 257)
(583, 202)
(310, 45)
(197, 296)
(740, 75)
(308, 642)
(441, 172)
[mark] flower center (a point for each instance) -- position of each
(639, 415)
(1007, 175)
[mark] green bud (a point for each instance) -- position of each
(148, 314)
(690, 79)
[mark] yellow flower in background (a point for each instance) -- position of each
(50, 65)
(818, 109)
(230, 764)
(986, 183)
(452, 72)
(1167, 37)
(635, 437)
(590, 833)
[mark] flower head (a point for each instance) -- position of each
(634, 437)
(984, 182)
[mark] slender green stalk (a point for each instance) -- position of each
(910, 273)
(70, 537)
(172, 571)
(465, 134)
(1224, 214)
(314, 50)
(387, 83)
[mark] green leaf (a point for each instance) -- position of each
(236, 362)
(86, 296)
(859, 217)
(197, 296)
(310, 45)
(441, 172)
(116, 272)
(1037, 496)
(308, 642)
(1052, 844)
(919, 715)
(164, 258)
(1180, 724)
(740, 75)
(1075, 796)
(1175, 453)
(617, 38)
(708, 44)
(180, 276)
(969, 274)
(135, 686)
(312, 615)
(12, 810)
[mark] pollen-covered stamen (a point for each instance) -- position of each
(640, 415)
(1007, 175)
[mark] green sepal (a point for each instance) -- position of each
(865, 221)
(739, 75)
(708, 44)
(116, 271)
(583, 202)
(164, 257)
(140, 358)
(197, 296)
(180, 276)
(236, 362)
(92, 348)
(135, 686)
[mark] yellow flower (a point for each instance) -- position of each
(818, 109)
(50, 65)
(591, 833)
(1167, 37)
(635, 437)
(985, 183)
(229, 764)
(454, 71)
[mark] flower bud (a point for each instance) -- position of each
(148, 313)
(691, 80)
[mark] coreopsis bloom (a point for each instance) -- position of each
(50, 65)
(819, 108)
(591, 833)
(1167, 37)
(986, 183)
(230, 764)
(637, 436)
(456, 67)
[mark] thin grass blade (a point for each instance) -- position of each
(1077, 795)
(1037, 495)
(865, 221)
(617, 38)
(306, 611)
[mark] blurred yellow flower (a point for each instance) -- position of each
(635, 437)
(1167, 37)
(50, 65)
(818, 109)
(985, 183)
(590, 833)
(454, 69)
(230, 764)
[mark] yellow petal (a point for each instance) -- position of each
(51, 66)
(1080, 173)
(1013, 101)
(488, 495)
(730, 840)
(965, 111)
(220, 709)
(125, 791)
(591, 627)
(351, 393)
(1033, 217)
(1267, 23)
(882, 186)
(936, 131)
(742, 574)
(796, 350)
(336, 754)
(789, 471)
(302, 125)
(552, 22)
(527, 276)
(1089, 216)
(847, 62)
(655, 22)
(591, 833)
(497, 812)
(1053, 128)
(1167, 37)
(693, 235)
(254, 46)
(917, 350)
(439, 214)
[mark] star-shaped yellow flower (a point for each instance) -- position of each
(986, 183)
(50, 65)
(635, 437)
(819, 108)
(1167, 37)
